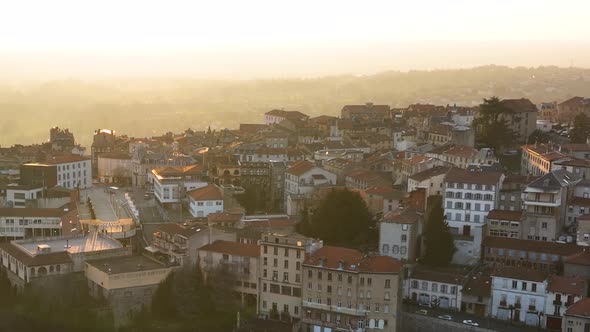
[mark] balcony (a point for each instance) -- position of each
(503, 304)
(332, 308)
(541, 202)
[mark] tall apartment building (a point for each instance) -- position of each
(343, 289)
(469, 197)
(73, 171)
(545, 202)
(282, 257)
(103, 141)
(522, 118)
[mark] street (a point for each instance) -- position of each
(459, 317)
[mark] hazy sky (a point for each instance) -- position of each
(120, 30)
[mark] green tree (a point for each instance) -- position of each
(437, 238)
(492, 127)
(342, 218)
(581, 129)
(538, 136)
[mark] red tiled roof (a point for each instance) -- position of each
(445, 275)
(580, 308)
(233, 248)
(300, 167)
(474, 177)
(427, 174)
(209, 192)
(555, 248)
(405, 216)
(352, 260)
(515, 272)
(580, 258)
(566, 285)
(31, 212)
(505, 215)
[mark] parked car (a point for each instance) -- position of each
(470, 322)
(445, 317)
(422, 312)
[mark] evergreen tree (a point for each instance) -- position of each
(342, 219)
(438, 239)
(492, 128)
(581, 129)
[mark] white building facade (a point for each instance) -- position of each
(73, 171)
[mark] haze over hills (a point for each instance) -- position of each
(146, 107)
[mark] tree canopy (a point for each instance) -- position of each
(438, 239)
(492, 127)
(581, 129)
(342, 218)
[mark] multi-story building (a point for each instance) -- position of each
(277, 186)
(531, 254)
(511, 191)
(37, 223)
(281, 273)
(73, 171)
(36, 174)
(255, 179)
(277, 116)
(578, 205)
(435, 287)
(505, 223)
(104, 140)
(113, 167)
(430, 179)
(522, 118)
(545, 201)
(578, 166)
(172, 183)
(180, 242)
(344, 289)
(469, 197)
(205, 200)
(366, 113)
(462, 156)
(519, 295)
(301, 179)
(382, 200)
(126, 283)
(363, 179)
(548, 112)
(539, 159)
(61, 139)
(18, 196)
(399, 232)
(568, 109)
(562, 293)
(239, 260)
(577, 317)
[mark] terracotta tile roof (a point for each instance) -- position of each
(252, 128)
(579, 201)
(580, 308)
(287, 114)
(170, 171)
(115, 155)
(65, 159)
(386, 192)
(366, 108)
(444, 275)
(300, 168)
(402, 216)
(519, 105)
(209, 192)
(233, 248)
(31, 212)
(566, 285)
(462, 176)
(505, 215)
(545, 151)
(580, 258)
(37, 260)
(431, 172)
(575, 147)
(555, 248)
(224, 217)
(515, 272)
(573, 162)
(352, 260)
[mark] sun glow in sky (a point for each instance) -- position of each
(264, 38)
(123, 26)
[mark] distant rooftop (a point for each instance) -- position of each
(73, 245)
(126, 264)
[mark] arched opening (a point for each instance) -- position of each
(42, 271)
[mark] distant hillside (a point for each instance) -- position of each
(149, 107)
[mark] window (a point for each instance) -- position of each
(434, 287)
(329, 276)
(424, 285)
(533, 287)
(544, 225)
(385, 249)
(387, 283)
(369, 281)
(286, 252)
(523, 286)
(404, 238)
(514, 284)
